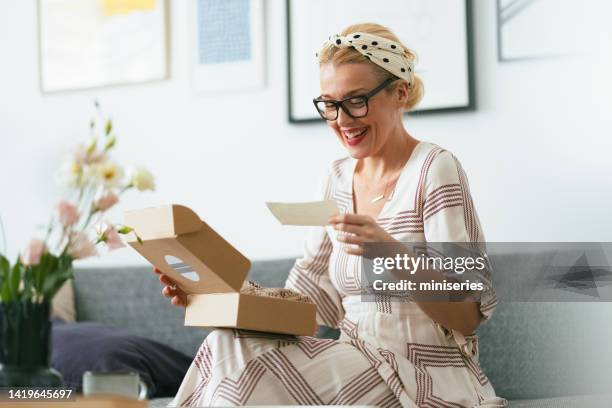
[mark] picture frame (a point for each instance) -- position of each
(445, 90)
(222, 66)
(86, 44)
(538, 29)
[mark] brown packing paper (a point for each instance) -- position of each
(175, 240)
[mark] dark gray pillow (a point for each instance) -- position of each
(88, 346)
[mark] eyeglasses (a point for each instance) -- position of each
(355, 106)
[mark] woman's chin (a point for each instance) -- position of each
(357, 152)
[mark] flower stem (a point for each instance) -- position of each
(49, 230)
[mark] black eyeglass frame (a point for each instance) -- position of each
(366, 98)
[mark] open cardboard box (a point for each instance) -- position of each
(212, 272)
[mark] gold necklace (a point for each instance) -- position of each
(380, 197)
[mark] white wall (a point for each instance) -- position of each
(536, 150)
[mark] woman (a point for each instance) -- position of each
(391, 188)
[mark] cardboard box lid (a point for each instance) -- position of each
(188, 250)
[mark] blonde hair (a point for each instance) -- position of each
(339, 56)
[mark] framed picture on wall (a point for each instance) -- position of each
(439, 31)
(535, 29)
(93, 43)
(229, 45)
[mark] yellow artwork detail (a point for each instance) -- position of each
(116, 7)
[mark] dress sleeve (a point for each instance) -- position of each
(449, 216)
(310, 273)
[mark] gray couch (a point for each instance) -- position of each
(535, 354)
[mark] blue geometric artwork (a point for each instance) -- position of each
(224, 31)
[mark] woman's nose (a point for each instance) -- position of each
(343, 117)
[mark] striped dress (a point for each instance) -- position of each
(390, 354)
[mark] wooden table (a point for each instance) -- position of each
(97, 401)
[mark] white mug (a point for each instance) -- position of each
(126, 384)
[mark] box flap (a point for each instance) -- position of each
(162, 222)
(188, 250)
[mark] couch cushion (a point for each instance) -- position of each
(546, 349)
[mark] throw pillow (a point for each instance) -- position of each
(89, 346)
(62, 305)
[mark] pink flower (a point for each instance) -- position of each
(113, 240)
(108, 234)
(68, 213)
(106, 201)
(81, 247)
(34, 251)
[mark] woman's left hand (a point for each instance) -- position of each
(360, 229)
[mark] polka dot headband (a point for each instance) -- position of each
(385, 53)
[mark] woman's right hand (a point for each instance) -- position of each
(170, 290)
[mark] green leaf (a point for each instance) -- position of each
(108, 127)
(5, 266)
(110, 143)
(6, 292)
(91, 147)
(61, 272)
(56, 281)
(64, 261)
(48, 265)
(14, 279)
(28, 281)
(37, 275)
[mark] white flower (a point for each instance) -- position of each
(80, 168)
(109, 173)
(142, 179)
(70, 174)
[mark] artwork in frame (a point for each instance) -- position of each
(228, 52)
(536, 29)
(93, 43)
(439, 31)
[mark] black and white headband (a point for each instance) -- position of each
(385, 53)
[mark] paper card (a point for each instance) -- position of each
(314, 213)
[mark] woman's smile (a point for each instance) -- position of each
(354, 135)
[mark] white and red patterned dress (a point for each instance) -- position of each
(390, 354)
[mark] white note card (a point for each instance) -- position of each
(314, 213)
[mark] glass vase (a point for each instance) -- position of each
(25, 344)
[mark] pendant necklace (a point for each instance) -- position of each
(380, 197)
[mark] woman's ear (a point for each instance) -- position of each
(402, 91)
